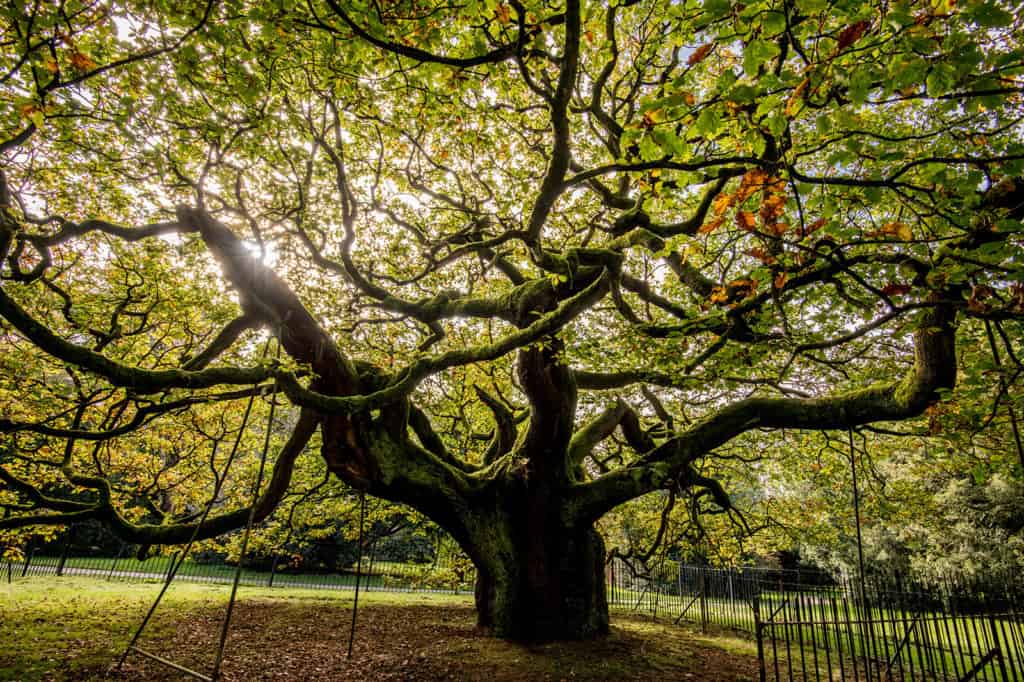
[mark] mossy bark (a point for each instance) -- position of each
(538, 580)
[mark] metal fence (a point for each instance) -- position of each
(806, 625)
(388, 564)
(809, 627)
(882, 630)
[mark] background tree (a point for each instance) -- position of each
(487, 237)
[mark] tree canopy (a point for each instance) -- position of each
(512, 263)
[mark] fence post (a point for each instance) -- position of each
(273, 569)
(9, 570)
(762, 670)
(64, 551)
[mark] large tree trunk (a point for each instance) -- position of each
(539, 581)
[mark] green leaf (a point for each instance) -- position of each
(860, 83)
(707, 123)
(823, 124)
(757, 54)
(715, 9)
(649, 149)
(989, 15)
(743, 94)
(940, 80)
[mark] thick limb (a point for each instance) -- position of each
(934, 369)
(175, 533)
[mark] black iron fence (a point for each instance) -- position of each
(387, 564)
(806, 625)
(883, 631)
(877, 630)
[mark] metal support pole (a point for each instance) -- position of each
(1015, 428)
(64, 551)
(359, 568)
(170, 566)
(215, 675)
(28, 559)
(856, 515)
(759, 634)
(113, 564)
(273, 569)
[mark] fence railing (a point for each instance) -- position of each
(806, 625)
(873, 632)
(382, 568)
(876, 630)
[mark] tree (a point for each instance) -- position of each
(488, 237)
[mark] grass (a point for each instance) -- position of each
(380, 574)
(78, 623)
(74, 628)
(70, 611)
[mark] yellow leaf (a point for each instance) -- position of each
(898, 230)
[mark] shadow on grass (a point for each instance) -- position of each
(74, 629)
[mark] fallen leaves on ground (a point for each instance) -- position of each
(272, 639)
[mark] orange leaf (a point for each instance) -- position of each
(794, 100)
(711, 226)
(743, 287)
(503, 12)
(745, 220)
(82, 61)
(722, 203)
(772, 206)
(761, 255)
(895, 289)
(852, 34)
(753, 180)
(780, 280)
(698, 55)
(814, 227)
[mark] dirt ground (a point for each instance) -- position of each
(274, 641)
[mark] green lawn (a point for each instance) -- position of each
(75, 628)
(935, 641)
(377, 574)
(79, 623)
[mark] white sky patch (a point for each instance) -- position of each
(267, 254)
